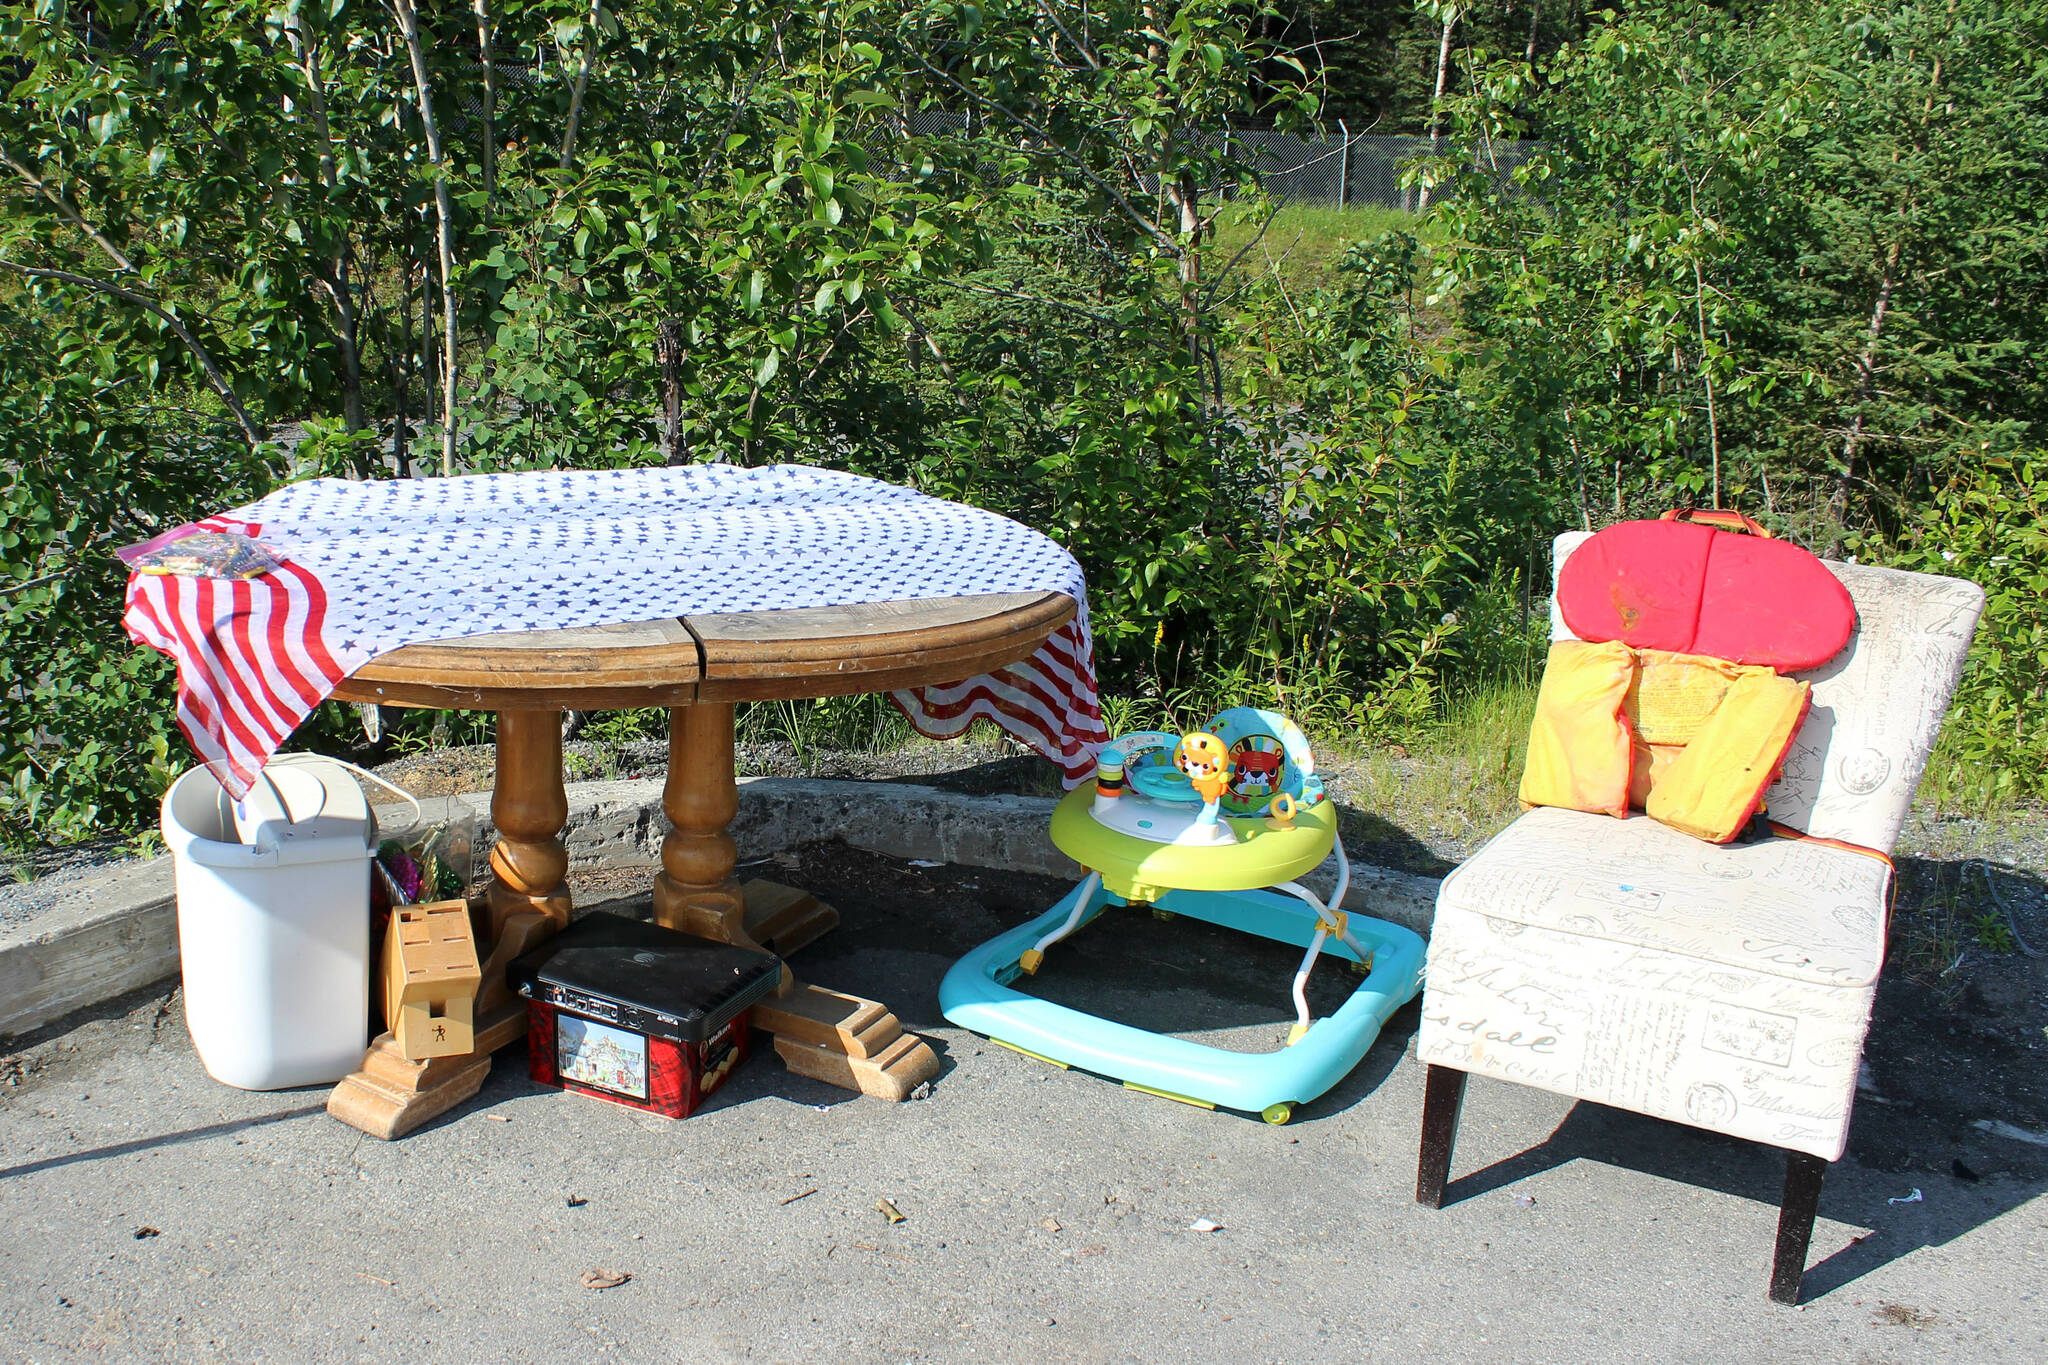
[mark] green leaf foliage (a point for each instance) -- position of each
(1786, 257)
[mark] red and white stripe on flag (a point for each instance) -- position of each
(252, 655)
(1047, 702)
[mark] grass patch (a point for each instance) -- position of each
(865, 724)
(1302, 245)
(868, 723)
(1452, 784)
(1958, 783)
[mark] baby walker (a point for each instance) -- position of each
(1200, 824)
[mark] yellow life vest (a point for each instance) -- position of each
(1691, 740)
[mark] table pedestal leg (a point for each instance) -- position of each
(840, 1039)
(528, 901)
(695, 890)
(529, 807)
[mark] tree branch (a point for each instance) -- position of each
(1039, 299)
(590, 38)
(1216, 280)
(63, 206)
(1065, 32)
(1151, 229)
(250, 432)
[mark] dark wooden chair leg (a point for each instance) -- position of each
(1443, 1095)
(1796, 1211)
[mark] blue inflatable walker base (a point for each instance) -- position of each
(976, 995)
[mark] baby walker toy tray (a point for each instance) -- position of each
(1216, 825)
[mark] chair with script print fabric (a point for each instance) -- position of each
(1727, 986)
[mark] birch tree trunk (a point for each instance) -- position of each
(1436, 103)
(444, 216)
(336, 282)
(399, 367)
(1866, 388)
(668, 351)
(490, 65)
(1183, 196)
(1873, 336)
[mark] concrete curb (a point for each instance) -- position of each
(118, 930)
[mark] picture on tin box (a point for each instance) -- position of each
(595, 1054)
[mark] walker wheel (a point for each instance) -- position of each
(1159, 914)
(1277, 1114)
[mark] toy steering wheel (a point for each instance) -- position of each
(1150, 770)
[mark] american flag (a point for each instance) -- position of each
(256, 656)
(253, 656)
(1047, 702)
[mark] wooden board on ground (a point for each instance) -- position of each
(783, 919)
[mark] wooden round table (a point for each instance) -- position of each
(698, 667)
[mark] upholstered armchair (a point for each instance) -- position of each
(1724, 986)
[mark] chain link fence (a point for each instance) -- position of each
(1346, 169)
(1333, 168)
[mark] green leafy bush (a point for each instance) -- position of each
(1991, 526)
(87, 740)
(1786, 256)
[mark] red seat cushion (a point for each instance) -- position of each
(1686, 588)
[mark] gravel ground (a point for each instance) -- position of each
(46, 878)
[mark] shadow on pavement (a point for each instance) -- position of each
(211, 1130)
(1949, 1207)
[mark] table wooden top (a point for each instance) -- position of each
(736, 656)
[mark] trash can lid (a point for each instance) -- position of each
(303, 800)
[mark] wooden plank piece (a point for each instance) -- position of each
(859, 619)
(392, 1094)
(664, 630)
(783, 919)
(893, 1075)
(823, 1018)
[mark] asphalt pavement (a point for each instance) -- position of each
(150, 1214)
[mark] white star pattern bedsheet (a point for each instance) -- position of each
(373, 566)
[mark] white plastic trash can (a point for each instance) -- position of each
(274, 922)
